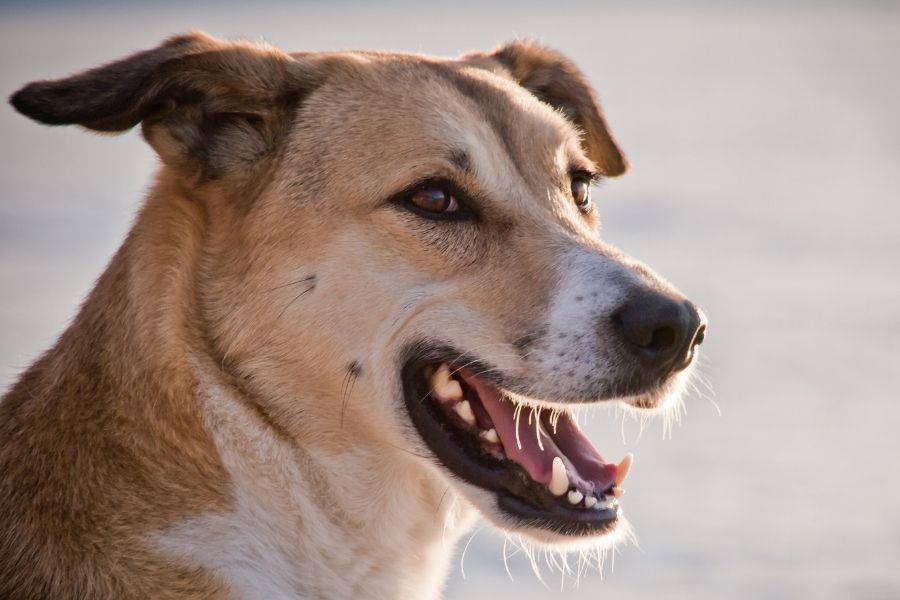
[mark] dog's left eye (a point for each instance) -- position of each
(434, 200)
(581, 193)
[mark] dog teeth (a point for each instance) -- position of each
(464, 410)
(441, 375)
(623, 467)
(616, 491)
(602, 504)
(575, 496)
(443, 385)
(589, 501)
(559, 482)
(452, 390)
(490, 436)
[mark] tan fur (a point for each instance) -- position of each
(223, 418)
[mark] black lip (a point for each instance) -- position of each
(517, 495)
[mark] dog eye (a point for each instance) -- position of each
(435, 200)
(581, 193)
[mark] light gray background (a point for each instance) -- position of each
(765, 142)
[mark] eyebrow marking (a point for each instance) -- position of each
(461, 160)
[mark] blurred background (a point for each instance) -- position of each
(765, 144)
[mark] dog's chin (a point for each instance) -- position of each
(523, 463)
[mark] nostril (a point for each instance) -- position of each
(699, 336)
(661, 340)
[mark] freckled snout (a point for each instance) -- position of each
(660, 330)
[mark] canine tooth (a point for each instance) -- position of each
(443, 385)
(490, 436)
(590, 501)
(464, 410)
(559, 482)
(623, 467)
(451, 390)
(441, 376)
(575, 496)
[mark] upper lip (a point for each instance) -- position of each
(636, 384)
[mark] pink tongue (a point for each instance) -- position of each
(584, 465)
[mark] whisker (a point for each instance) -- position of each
(559, 560)
(297, 297)
(347, 386)
(506, 556)
(290, 283)
(441, 501)
(428, 458)
(462, 559)
(516, 413)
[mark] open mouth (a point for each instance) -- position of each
(532, 455)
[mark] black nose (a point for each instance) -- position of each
(662, 331)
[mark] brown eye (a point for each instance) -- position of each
(581, 193)
(435, 200)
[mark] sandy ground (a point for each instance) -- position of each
(766, 151)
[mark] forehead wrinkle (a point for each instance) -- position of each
(524, 125)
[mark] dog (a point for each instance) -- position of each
(352, 316)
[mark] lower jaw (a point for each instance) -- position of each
(562, 522)
(523, 504)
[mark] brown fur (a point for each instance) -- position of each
(265, 260)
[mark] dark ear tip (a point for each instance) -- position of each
(618, 166)
(21, 100)
(31, 102)
(532, 52)
(519, 45)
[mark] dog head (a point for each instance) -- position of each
(400, 254)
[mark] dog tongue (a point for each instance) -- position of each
(586, 469)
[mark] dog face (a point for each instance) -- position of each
(400, 254)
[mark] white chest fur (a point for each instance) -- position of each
(307, 525)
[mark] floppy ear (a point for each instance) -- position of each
(556, 80)
(208, 107)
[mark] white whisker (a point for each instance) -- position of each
(516, 413)
(558, 560)
(462, 559)
(537, 427)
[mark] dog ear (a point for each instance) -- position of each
(206, 106)
(556, 80)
